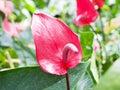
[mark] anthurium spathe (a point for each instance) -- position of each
(85, 13)
(57, 47)
(99, 3)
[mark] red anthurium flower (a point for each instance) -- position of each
(99, 3)
(85, 13)
(7, 7)
(57, 47)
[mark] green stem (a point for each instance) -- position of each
(103, 34)
(19, 43)
(26, 47)
(99, 45)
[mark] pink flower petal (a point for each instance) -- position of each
(8, 9)
(10, 28)
(96, 46)
(85, 13)
(50, 37)
(53, 66)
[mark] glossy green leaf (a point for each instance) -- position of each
(12, 53)
(33, 78)
(17, 3)
(29, 6)
(40, 3)
(2, 57)
(85, 83)
(86, 39)
(93, 68)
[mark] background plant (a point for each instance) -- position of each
(19, 51)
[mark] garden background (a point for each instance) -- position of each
(100, 42)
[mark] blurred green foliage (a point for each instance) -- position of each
(21, 51)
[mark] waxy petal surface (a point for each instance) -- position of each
(99, 3)
(85, 13)
(50, 37)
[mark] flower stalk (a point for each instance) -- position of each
(4, 3)
(101, 48)
(67, 48)
(11, 63)
(98, 42)
(67, 81)
(103, 34)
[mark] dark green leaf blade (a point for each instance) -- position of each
(74, 76)
(85, 83)
(33, 78)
